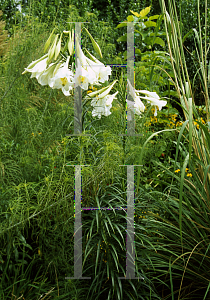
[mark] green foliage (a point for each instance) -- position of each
(37, 185)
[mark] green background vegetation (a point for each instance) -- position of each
(171, 189)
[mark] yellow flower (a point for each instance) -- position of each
(40, 132)
(89, 91)
(189, 175)
(179, 124)
(32, 133)
(186, 169)
(177, 170)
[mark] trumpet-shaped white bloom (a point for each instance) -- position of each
(102, 106)
(96, 70)
(83, 77)
(37, 67)
(138, 105)
(45, 77)
(63, 78)
(101, 72)
(153, 99)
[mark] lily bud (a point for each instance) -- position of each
(103, 92)
(58, 48)
(48, 41)
(71, 42)
(95, 45)
(52, 49)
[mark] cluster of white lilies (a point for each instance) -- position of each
(60, 75)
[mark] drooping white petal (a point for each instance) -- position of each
(38, 68)
(156, 102)
(131, 90)
(138, 105)
(102, 106)
(34, 63)
(148, 94)
(153, 99)
(45, 77)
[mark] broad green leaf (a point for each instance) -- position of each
(122, 38)
(153, 17)
(137, 51)
(145, 11)
(150, 24)
(135, 13)
(123, 24)
(130, 18)
(148, 40)
(95, 45)
(144, 35)
(159, 41)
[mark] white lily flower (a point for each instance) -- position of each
(45, 77)
(102, 106)
(83, 77)
(63, 78)
(80, 55)
(153, 99)
(102, 71)
(37, 67)
(138, 105)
